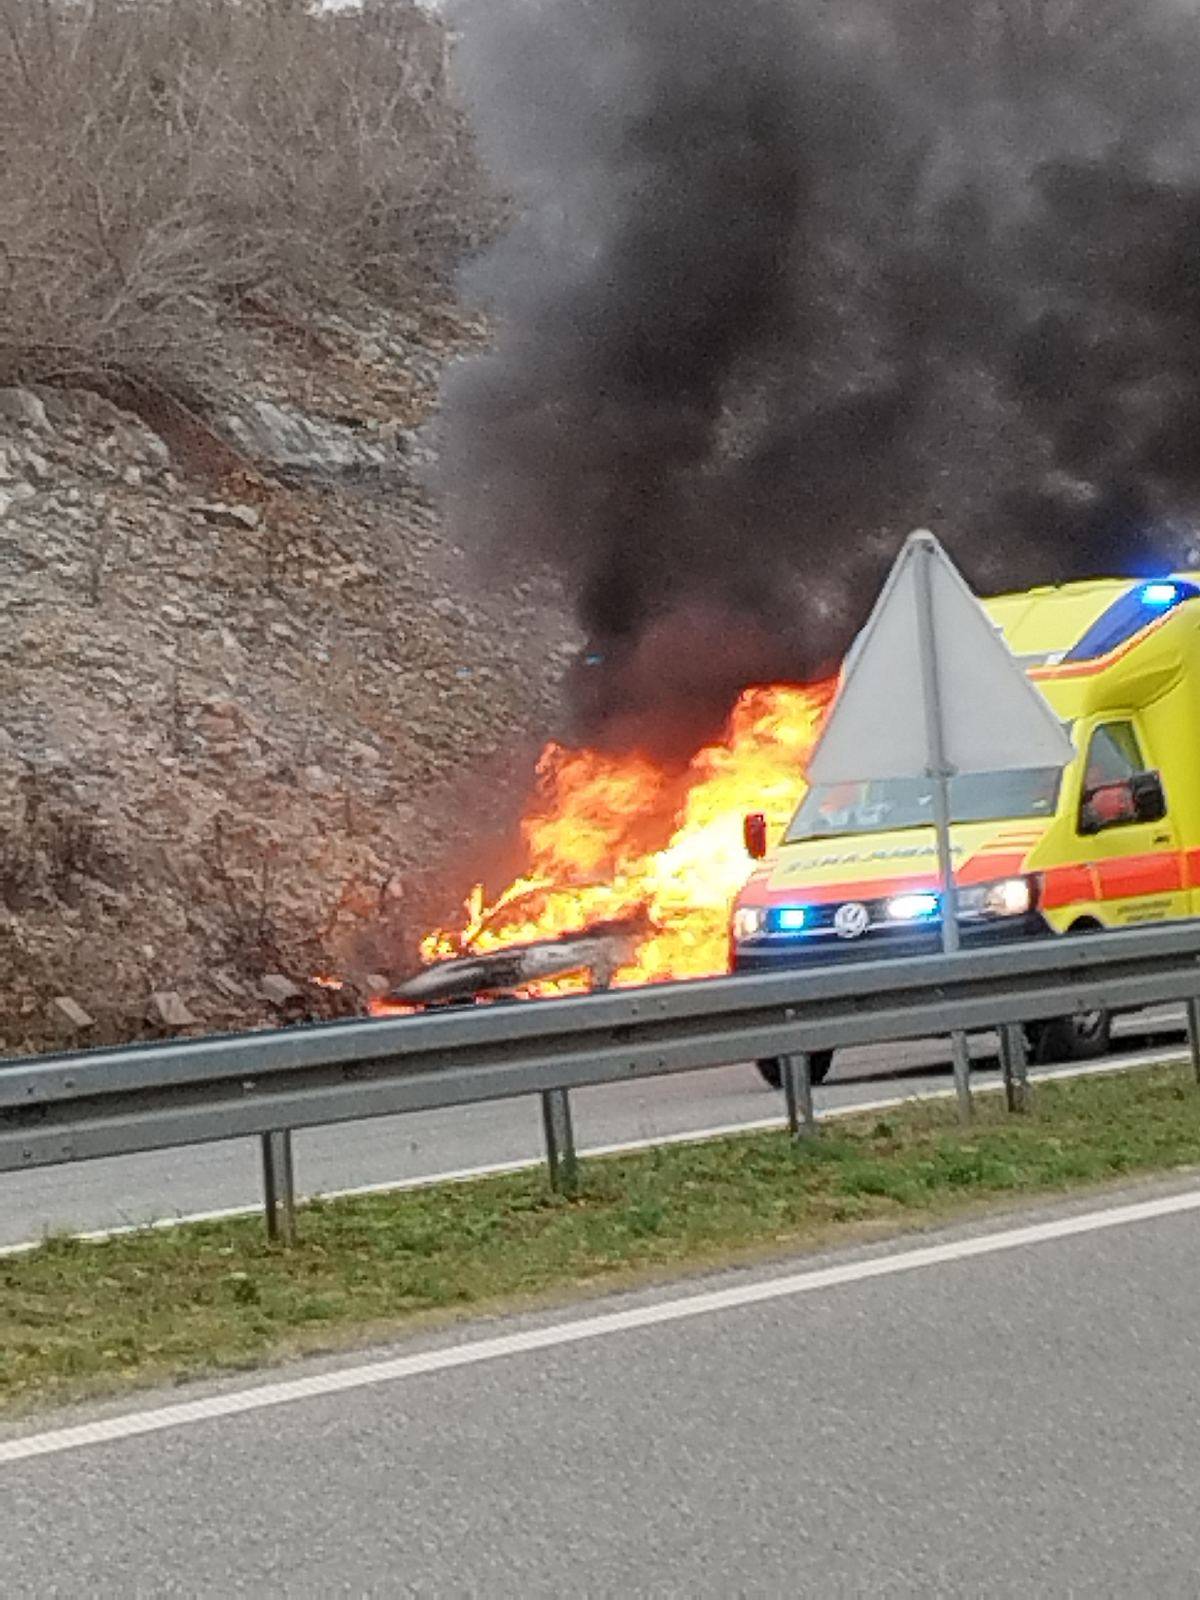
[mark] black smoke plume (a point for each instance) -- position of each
(786, 279)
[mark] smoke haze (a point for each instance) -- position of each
(785, 280)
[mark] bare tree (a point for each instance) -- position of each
(161, 157)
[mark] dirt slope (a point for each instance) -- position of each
(254, 702)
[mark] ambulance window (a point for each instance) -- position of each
(1113, 755)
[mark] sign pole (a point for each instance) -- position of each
(939, 773)
(907, 708)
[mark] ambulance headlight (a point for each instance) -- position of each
(913, 907)
(748, 921)
(1007, 897)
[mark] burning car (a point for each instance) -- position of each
(598, 951)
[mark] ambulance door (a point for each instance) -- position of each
(1137, 866)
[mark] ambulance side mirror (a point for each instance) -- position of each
(1149, 798)
(754, 832)
(1110, 805)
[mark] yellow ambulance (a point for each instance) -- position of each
(1112, 841)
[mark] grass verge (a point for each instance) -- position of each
(87, 1319)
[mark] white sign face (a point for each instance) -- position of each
(992, 719)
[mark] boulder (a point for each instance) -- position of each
(23, 407)
(68, 1016)
(167, 1010)
(280, 991)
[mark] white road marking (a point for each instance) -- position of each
(499, 1169)
(135, 1424)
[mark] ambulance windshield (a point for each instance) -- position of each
(883, 804)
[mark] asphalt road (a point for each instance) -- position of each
(141, 1189)
(1022, 1423)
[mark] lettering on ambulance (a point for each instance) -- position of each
(1136, 867)
(981, 868)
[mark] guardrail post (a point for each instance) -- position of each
(961, 1056)
(1193, 1019)
(797, 1091)
(279, 1187)
(1014, 1064)
(560, 1141)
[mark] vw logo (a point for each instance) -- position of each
(852, 920)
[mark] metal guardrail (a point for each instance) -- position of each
(96, 1103)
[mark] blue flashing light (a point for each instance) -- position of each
(791, 919)
(913, 907)
(1137, 608)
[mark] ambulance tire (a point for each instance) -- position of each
(1082, 1037)
(1079, 1038)
(819, 1063)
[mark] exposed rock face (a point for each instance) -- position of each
(284, 437)
(243, 721)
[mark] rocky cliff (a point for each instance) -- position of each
(254, 703)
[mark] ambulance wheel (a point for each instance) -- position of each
(1079, 1038)
(819, 1063)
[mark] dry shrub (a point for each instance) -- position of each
(161, 158)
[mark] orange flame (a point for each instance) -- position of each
(381, 1006)
(610, 835)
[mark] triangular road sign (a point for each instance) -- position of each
(943, 695)
(931, 690)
